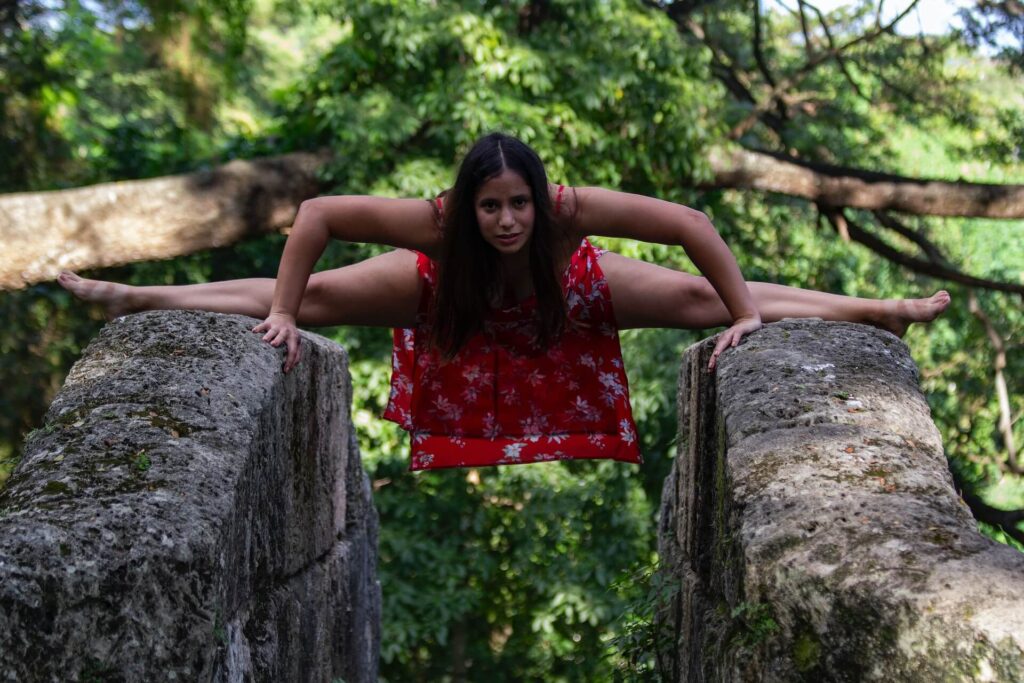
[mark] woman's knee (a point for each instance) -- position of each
(699, 291)
(702, 308)
(694, 290)
(316, 288)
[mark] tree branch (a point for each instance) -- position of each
(801, 6)
(141, 220)
(114, 223)
(729, 75)
(859, 234)
(723, 68)
(762, 64)
(927, 246)
(797, 76)
(1002, 393)
(922, 98)
(839, 55)
(1006, 520)
(837, 186)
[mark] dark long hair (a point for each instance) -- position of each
(469, 279)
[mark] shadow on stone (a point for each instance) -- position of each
(189, 512)
(811, 526)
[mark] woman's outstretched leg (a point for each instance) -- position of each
(381, 291)
(646, 295)
(247, 297)
(895, 315)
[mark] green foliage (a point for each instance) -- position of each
(751, 624)
(412, 85)
(114, 90)
(545, 544)
(541, 572)
(142, 461)
(917, 106)
(643, 629)
(45, 334)
(406, 91)
(806, 652)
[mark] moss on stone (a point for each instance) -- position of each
(774, 549)
(814, 541)
(161, 418)
(806, 652)
(721, 523)
(764, 470)
(56, 487)
(749, 624)
(828, 554)
(142, 461)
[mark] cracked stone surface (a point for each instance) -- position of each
(188, 512)
(811, 527)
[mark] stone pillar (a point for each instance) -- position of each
(188, 512)
(811, 529)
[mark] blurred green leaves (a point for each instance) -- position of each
(539, 572)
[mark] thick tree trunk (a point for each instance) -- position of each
(140, 220)
(116, 223)
(835, 186)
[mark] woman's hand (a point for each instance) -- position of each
(280, 329)
(731, 337)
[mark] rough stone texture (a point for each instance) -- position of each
(811, 525)
(188, 512)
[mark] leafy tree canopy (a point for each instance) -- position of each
(511, 573)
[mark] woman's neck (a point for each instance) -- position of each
(515, 276)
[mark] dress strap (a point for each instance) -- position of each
(437, 206)
(439, 211)
(558, 199)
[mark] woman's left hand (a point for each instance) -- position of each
(279, 328)
(731, 337)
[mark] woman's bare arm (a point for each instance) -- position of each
(402, 223)
(598, 211)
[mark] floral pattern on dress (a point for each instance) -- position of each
(504, 400)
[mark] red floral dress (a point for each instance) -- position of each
(503, 400)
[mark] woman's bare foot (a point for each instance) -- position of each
(116, 299)
(899, 314)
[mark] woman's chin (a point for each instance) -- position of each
(508, 247)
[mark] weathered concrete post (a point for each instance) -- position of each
(811, 526)
(190, 513)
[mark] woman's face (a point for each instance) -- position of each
(505, 212)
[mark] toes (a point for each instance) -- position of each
(65, 281)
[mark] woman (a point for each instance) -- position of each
(506, 317)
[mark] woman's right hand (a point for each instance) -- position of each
(279, 328)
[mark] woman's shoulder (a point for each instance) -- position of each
(613, 213)
(564, 209)
(587, 211)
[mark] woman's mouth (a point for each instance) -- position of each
(508, 239)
